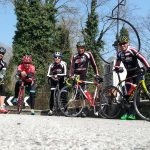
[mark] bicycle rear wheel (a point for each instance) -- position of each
(20, 100)
(71, 101)
(110, 103)
(142, 103)
(55, 107)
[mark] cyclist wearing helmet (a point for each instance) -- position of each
(2, 75)
(26, 73)
(56, 73)
(132, 60)
(80, 62)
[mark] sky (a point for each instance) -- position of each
(8, 19)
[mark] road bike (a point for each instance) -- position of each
(114, 98)
(73, 98)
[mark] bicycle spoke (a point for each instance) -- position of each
(142, 103)
(110, 106)
(70, 101)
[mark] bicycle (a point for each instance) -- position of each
(73, 98)
(114, 97)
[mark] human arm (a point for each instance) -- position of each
(93, 63)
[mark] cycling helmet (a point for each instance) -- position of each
(115, 44)
(27, 59)
(57, 54)
(80, 44)
(123, 39)
(2, 50)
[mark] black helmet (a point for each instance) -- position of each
(80, 44)
(115, 43)
(2, 50)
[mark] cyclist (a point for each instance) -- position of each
(26, 73)
(131, 59)
(56, 73)
(80, 62)
(2, 75)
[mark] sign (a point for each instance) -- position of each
(9, 101)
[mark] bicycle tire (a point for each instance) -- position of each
(110, 105)
(56, 107)
(71, 104)
(20, 100)
(133, 28)
(142, 103)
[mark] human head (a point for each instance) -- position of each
(81, 47)
(2, 52)
(57, 57)
(123, 43)
(26, 60)
(115, 44)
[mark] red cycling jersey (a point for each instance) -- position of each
(30, 71)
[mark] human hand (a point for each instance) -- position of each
(23, 74)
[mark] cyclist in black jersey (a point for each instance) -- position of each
(80, 62)
(58, 68)
(132, 60)
(2, 75)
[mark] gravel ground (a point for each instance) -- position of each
(26, 132)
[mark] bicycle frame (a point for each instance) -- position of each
(92, 103)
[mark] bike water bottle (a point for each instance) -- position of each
(130, 88)
(88, 97)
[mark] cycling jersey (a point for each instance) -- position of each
(130, 59)
(2, 75)
(30, 71)
(2, 69)
(57, 69)
(80, 62)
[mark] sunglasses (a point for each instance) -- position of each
(81, 47)
(26, 63)
(58, 57)
(122, 43)
(1, 53)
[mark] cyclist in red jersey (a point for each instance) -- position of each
(80, 63)
(2, 75)
(26, 73)
(131, 59)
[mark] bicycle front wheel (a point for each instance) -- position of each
(20, 100)
(142, 103)
(110, 103)
(71, 101)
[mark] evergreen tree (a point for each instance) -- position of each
(90, 33)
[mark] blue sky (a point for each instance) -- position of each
(8, 18)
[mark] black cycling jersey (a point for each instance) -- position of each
(130, 59)
(80, 62)
(2, 69)
(57, 69)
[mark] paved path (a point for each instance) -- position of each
(26, 132)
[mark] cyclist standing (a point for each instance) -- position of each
(130, 57)
(56, 74)
(2, 75)
(80, 62)
(26, 73)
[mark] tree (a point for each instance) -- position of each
(90, 33)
